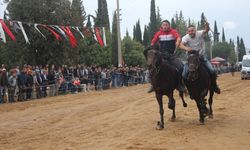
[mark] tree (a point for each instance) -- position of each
(222, 49)
(158, 16)
(153, 27)
(216, 34)
(232, 57)
(201, 25)
(146, 40)
(132, 52)
(89, 24)
(223, 35)
(173, 23)
(41, 51)
(114, 41)
(242, 49)
(180, 23)
(137, 32)
(102, 17)
(78, 13)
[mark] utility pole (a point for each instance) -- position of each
(119, 35)
(211, 50)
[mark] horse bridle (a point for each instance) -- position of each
(196, 65)
(156, 68)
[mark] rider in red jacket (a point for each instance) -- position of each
(168, 40)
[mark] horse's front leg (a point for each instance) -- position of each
(210, 101)
(160, 124)
(171, 105)
(201, 111)
(181, 94)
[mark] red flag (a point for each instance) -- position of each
(53, 32)
(7, 30)
(98, 36)
(70, 35)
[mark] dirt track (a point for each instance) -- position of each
(126, 118)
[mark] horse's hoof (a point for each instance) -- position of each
(171, 107)
(202, 122)
(211, 116)
(173, 119)
(159, 126)
(185, 105)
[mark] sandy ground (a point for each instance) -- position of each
(126, 118)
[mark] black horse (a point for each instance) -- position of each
(164, 81)
(198, 84)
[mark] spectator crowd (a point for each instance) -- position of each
(36, 82)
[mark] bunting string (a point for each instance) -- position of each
(59, 32)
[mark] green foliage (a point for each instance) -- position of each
(201, 24)
(137, 32)
(232, 57)
(114, 41)
(223, 35)
(42, 51)
(158, 16)
(78, 13)
(133, 52)
(102, 16)
(216, 34)
(146, 40)
(173, 23)
(222, 49)
(179, 23)
(153, 26)
(241, 49)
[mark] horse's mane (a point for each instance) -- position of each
(193, 52)
(156, 47)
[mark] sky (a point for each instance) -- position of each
(233, 15)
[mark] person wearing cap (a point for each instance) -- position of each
(168, 40)
(194, 40)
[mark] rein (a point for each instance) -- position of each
(155, 69)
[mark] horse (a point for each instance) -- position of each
(164, 82)
(198, 84)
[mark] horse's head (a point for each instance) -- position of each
(193, 64)
(153, 58)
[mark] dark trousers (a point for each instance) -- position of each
(11, 92)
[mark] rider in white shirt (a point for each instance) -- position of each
(194, 40)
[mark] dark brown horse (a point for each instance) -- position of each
(164, 81)
(198, 85)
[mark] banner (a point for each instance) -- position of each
(59, 32)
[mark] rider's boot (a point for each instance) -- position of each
(151, 89)
(214, 84)
(181, 86)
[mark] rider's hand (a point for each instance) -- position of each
(188, 49)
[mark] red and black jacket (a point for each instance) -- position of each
(166, 39)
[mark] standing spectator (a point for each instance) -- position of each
(21, 80)
(12, 81)
(1, 87)
(37, 81)
(29, 84)
(232, 69)
(52, 82)
(4, 83)
(44, 83)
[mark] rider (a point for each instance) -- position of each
(168, 40)
(194, 40)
